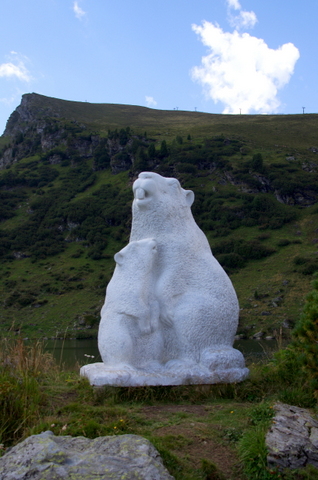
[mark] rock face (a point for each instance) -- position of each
(171, 312)
(37, 127)
(48, 457)
(292, 440)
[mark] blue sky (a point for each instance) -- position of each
(217, 56)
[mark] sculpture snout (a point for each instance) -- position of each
(139, 193)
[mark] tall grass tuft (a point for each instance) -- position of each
(253, 453)
(22, 368)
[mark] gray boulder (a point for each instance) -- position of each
(292, 440)
(48, 457)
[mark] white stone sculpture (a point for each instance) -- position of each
(171, 312)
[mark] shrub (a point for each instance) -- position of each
(257, 162)
(102, 162)
(231, 260)
(283, 242)
(300, 260)
(187, 168)
(267, 211)
(308, 266)
(252, 249)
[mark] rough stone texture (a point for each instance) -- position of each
(171, 312)
(292, 440)
(48, 457)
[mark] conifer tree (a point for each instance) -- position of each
(164, 149)
(306, 337)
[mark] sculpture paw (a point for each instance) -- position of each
(167, 320)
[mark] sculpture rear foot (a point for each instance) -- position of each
(225, 362)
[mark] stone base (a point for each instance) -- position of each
(175, 372)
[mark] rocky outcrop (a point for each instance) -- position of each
(48, 457)
(292, 440)
(37, 128)
(306, 198)
(29, 111)
(256, 183)
(7, 158)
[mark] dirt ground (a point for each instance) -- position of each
(204, 440)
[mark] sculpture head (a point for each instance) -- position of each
(137, 254)
(149, 188)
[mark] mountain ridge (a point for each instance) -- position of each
(107, 115)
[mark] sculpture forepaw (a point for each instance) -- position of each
(166, 320)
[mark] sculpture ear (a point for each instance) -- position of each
(119, 257)
(189, 197)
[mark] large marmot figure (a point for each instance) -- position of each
(171, 312)
(198, 304)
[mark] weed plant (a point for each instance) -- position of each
(22, 369)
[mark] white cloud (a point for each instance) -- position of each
(243, 19)
(15, 68)
(8, 101)
(234, 4)
(241, 71)
(79, 12)
(150, 101)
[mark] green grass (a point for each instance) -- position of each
(201, 432)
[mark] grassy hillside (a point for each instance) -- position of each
(288, 131)
(65, 188)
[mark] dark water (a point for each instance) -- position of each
(74, 353)
(257, 350)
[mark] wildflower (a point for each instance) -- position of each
(53, 425)
(121, 420)
(64, 427)
(232, 411)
